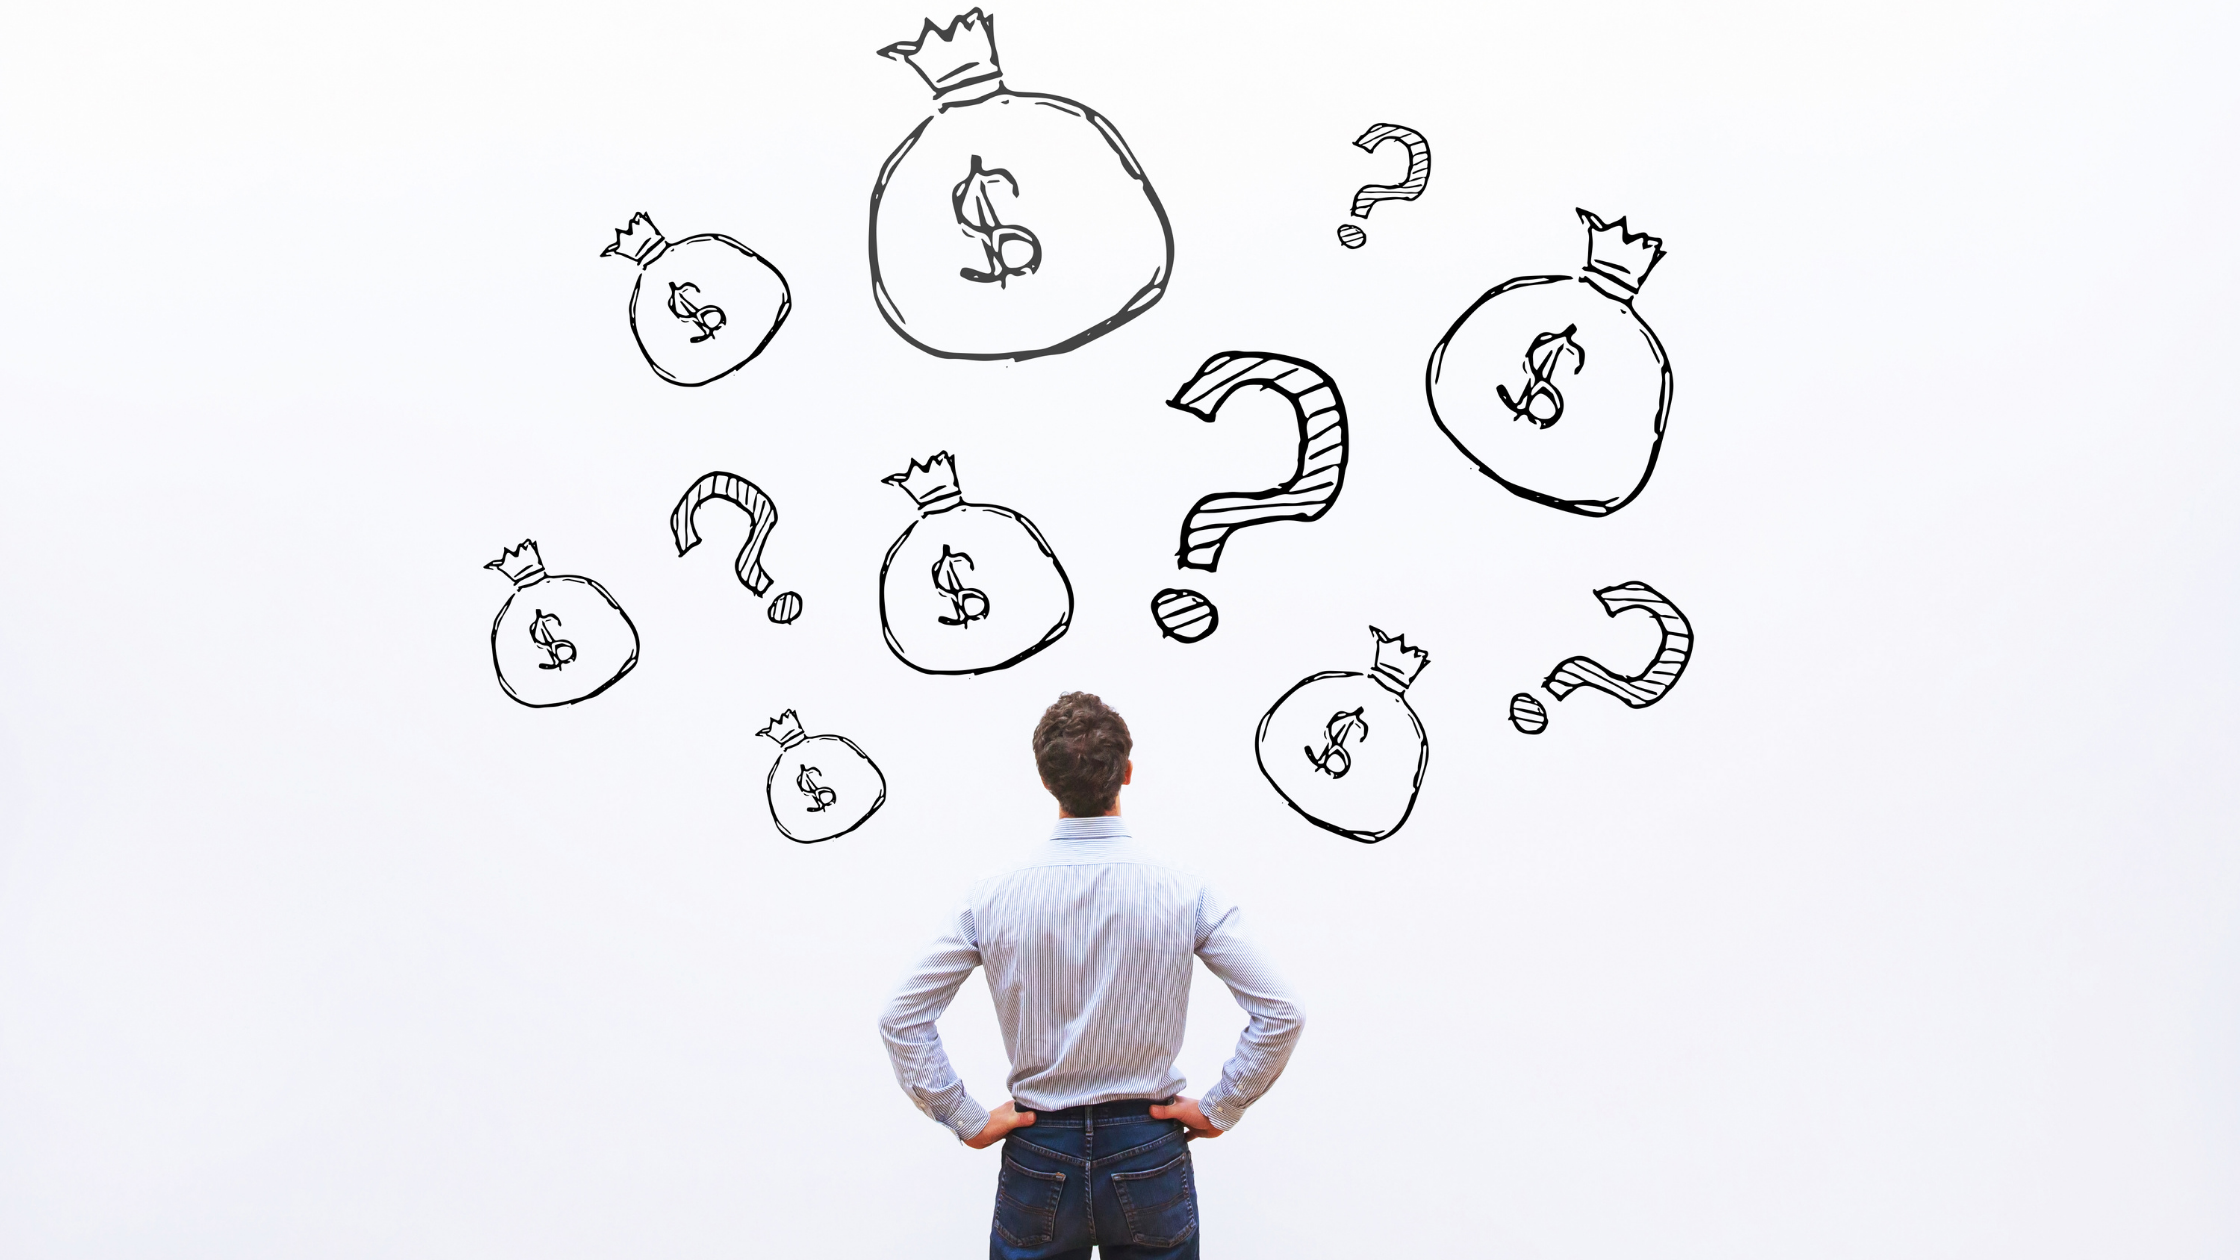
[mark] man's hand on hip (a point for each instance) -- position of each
(1186, 1110)
(1001, 1122)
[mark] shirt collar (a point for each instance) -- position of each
(1110, 827)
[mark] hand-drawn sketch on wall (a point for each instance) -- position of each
(1352, 236)
(1527, 714)
(969, 587)
(1553, 386)
(558, 639)
(702, 306)
(822, 785)
(1345, 749)
(1009, 224)
(1676, 639)
(1185, 615)
(1318, 473)
(762, 520)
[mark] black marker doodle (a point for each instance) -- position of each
(822, 785)
(1676, 640)
(559, 639)
(703, 306)
(1185, 615)
(1345, 749)
(762, 520)
(1511, 383)
(1009, 224)
(1419, 177)
(969, 587)
(1527, 714)
(1318, 473)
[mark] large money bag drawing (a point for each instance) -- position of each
(702, 306)
(1345, 749)
(1009, 224)
(559, 639)
(1554, 386)
(822, 785)
(968, 587)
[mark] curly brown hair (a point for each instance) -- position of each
(1081, 747)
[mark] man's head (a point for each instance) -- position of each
(1081, 747)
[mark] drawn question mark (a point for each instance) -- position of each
(762, 517)
(1419, 177)
(1638, 691)
(1313, 486)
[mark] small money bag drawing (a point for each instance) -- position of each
(1345, 749)
(968, 587)
(702, 306)
(559, 639)
(1554, 386)
(822, 785)
(1009, 224)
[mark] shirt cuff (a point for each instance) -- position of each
(1221, 1112)
(967, 1120)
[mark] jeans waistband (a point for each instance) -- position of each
(1117, 1109)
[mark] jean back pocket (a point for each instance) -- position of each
(1027, 1203)
(1161, 1203)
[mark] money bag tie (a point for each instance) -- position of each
(559, 639)
(969, 587)
(1345, 749)
(702, 306)
(1009, 224)
(1553, 386)
(822, 785)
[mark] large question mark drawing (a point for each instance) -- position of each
(1638, 691)
(762, 518)
(1419, 177)
(1312, 487)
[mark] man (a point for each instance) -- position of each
(1088, 949)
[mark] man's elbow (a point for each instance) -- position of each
(895, 1024)
(1286, 1020)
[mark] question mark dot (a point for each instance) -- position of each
(1527, 714)
(785, 608)
(1185, 615)
(1352, 237)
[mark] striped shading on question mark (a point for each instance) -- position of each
(762, 520)
(1641, 690)
(1321, 469)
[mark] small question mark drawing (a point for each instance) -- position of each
(1419, 177)
(1638, 691)
(1312, 487)
(762, 517)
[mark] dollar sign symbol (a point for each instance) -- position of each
(823, 796)
(707, 318)
(540, 633)
(1012, 250)
(1541, 402)
(969, 603)
(1343, 726)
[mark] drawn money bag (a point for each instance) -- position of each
(558, 639)
(702, 306)
(968, 587)
(1554, 386)
(1009, 224)
(823, 786)
(1345, 749)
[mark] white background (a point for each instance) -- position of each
(1905, 926)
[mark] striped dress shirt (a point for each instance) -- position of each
(1088, 949)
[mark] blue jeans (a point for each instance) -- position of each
(1106, 1176)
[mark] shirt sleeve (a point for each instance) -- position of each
(921, 1067)
(1273, 1019)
